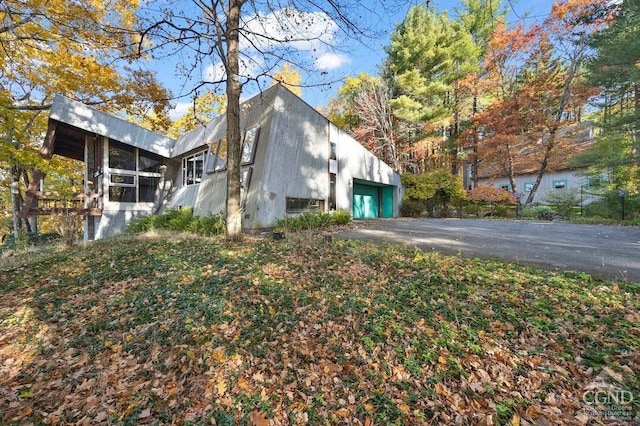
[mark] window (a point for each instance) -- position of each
(134, 174)
(333, 155)
(147, 188)
(528, 186)
(560, 184)
(332, 191)
(506, 187)
(249, 145)
(593, 182)
(192, 168)
(122, 156)
(300, 205)
(212, 158)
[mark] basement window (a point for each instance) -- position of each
(301, 205)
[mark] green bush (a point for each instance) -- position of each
(412, 208)
(537, 212)
(341, 217)
(438, 191)
(563, 201)
(313, 220)
(179, 220)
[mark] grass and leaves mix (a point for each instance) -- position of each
(195, 330)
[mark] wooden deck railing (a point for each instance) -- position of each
(43, 204)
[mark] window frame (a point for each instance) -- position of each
(555, 182)
(185, 171)
(254, 144)
(134, 174)
(293, 211)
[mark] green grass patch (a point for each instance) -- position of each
(177, 328)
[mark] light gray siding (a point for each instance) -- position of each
(574, 181)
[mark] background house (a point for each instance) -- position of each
(560, 174)
(293, 160)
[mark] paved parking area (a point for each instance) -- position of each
(609, 252)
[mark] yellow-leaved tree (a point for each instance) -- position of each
(84, 50)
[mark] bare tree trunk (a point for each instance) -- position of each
(234, 211)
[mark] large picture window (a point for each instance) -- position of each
(301, 205)
(134, 174)
(192, 168)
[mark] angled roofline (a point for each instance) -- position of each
(82, 116)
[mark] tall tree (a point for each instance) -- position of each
(615, 72)
(79, 49)
(429, 56)
(245, 41)
(537, 74)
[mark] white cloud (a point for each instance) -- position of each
(288, 28)
(307, 35)
(331, 61)
(180, 109)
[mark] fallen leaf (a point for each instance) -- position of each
(221, 387)
(258, 419)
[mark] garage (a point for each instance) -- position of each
(372, 200)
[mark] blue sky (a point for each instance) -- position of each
(350, 57)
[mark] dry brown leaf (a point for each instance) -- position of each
(258, 419)
(343, 412)
(221, 387)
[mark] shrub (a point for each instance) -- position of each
(179, 220)
(563, 201)
(411, 208)
(537, 212)
(313, 220)
(491, 194)
(341, 217)
(437, 191)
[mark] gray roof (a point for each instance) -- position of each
(84, 117)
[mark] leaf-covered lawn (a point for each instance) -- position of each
(177, 329)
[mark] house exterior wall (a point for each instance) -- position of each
(356, 162)
(291, 160)
(573, 179)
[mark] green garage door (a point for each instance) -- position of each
(366, 201)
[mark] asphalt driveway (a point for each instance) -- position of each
(609, 252)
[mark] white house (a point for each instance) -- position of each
(293, 160)
(560, 173)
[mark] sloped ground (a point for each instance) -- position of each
(180, 329)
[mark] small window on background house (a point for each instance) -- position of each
(249, 145)
(333, 155)
(506, 187)
(593, 182)
(528, 187)
(560, 184)
(301, 205)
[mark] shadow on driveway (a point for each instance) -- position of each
(607, 252)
